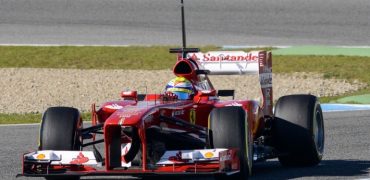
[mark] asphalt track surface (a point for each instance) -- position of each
(347, 151)
(219, 22)
(237, 22)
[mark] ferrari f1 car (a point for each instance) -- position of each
(157, 134)
(149, 135)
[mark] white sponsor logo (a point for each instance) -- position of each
(234, 104)
(266, 80)
(113, 106)
(178, 113)
(226, 157)
(235, 56)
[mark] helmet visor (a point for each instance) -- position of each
(182, 95)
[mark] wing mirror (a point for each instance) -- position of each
(207, 93)
(203, 95)
(129, 95)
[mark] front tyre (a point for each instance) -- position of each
(299, 130)
(60, 130)
(229, 127)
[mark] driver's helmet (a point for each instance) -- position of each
(181, 87)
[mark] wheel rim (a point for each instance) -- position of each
(318, 132)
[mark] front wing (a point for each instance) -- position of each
(173, 163)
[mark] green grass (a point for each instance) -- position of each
(339, 67)
(151, 57)
(91, 57)
(30, 118)
(157, 57)
(19, 118)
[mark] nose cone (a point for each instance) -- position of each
(127, 116)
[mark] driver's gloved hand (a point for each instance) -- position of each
(169, 96)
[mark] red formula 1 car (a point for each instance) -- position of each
(161, 134)
(172, 134)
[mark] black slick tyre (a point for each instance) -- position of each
(229, 128)
(298, 130)
(60, 130)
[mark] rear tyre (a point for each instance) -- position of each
(60, 131)
(299, 130)
(229, 127)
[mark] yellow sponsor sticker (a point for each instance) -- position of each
(209, 155)
(40, 156)
(193, 116)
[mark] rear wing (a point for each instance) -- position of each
(240, 63)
